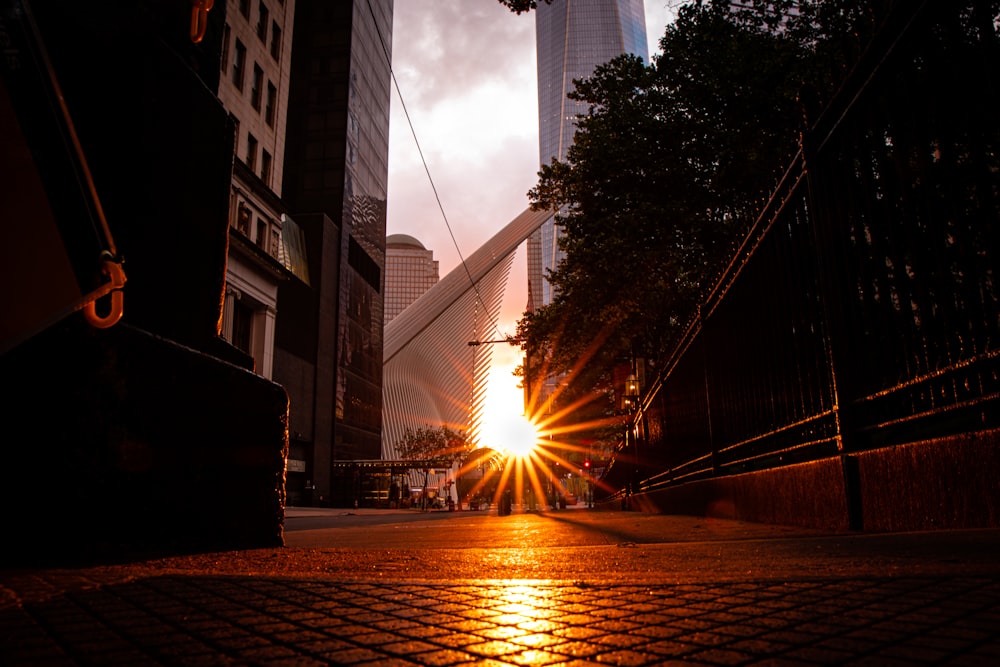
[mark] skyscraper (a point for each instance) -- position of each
(328, 352)
(410, 270)
(572, 38)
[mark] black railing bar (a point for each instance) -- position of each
(953, 406)
(780, 196)
(933, 412)
(649, 485)
(778, 452)
(672, 472)
(725, 281)
(658, 482)
(701, 459)
(675, 477)
(872, 71)
(701, 473)
(933, 375)
(684, 342)
(672, 477)
(826, 413)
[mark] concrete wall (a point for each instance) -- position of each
(945, 483)
(936, 484)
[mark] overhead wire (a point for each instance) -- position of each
(385, 51)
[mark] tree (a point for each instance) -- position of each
(521, 6)
(667, 171)
(442, 444)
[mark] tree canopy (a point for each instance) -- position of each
(668, 169)
(433, 444)
(521, 6)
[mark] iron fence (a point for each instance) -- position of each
(862, 309)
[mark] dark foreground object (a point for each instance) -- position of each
(155, 416)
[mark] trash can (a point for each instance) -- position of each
(504, 507)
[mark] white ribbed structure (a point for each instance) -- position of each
(431, 375)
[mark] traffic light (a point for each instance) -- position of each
(586, 464)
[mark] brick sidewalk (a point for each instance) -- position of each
(189, 619)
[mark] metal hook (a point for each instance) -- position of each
(199, 18)
(112, 269)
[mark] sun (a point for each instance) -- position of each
(519, 437)
(511, 433)
(504, 427)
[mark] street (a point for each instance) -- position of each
(621, 547)
(573, 587)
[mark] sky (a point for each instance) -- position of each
(466, 76)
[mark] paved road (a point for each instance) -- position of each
(624, 547)
(571, 588)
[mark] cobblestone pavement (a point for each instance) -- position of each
(196, 620)
(624, 590)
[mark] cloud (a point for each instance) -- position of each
(454, 48)
(466, 73)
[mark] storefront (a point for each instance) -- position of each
(383, 484)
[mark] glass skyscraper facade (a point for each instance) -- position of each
(329, 350)
(572, 38)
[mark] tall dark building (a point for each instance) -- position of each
(328, 338)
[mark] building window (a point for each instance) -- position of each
(224, 61)
(362, 262)
(242, 326)
(261, 238)
(272, 94)
(275, 40)
(258, 82)
(243, 219)
(239, 64)
(245, 8)
(262, 19)
(251, 152)
(265, 168)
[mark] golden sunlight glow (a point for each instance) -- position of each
(533, 455)
(504, 427)
(517, 437)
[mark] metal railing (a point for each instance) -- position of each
(863, 308)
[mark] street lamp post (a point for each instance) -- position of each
(631, 406)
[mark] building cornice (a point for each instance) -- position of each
(250, 251)
(251, 181)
